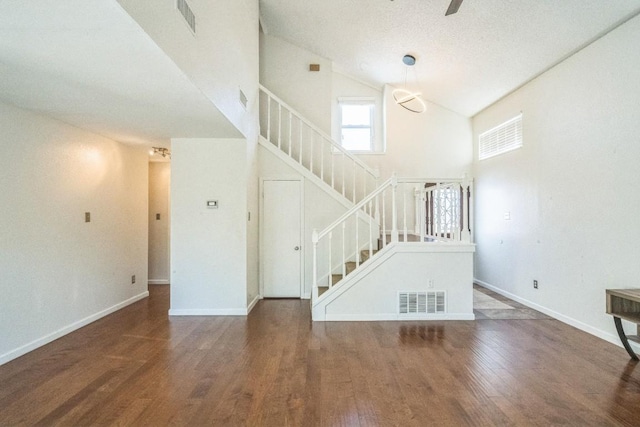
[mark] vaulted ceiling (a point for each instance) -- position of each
(465, 61)
(88, 63)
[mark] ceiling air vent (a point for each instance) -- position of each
(433, 302)
(187, 13)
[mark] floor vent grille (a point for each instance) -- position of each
(433, 302)
(187, 13)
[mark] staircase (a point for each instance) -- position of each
(312, 151)
(420, 221)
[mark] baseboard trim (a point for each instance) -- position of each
(253, 303)
(612, 338)
(208, 312)
(395, 317)
(158, 282)
(20, 351)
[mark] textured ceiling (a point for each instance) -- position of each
(466, 61)
(89, 64)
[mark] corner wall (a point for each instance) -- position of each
(571, 190)
(58, 272)
(208, 246)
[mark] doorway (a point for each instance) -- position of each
(159, 222)
(281, 238)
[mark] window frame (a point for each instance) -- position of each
(507, 136)
(371, 103)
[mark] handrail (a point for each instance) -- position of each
(335, 145)
(404, 207)
(356, 207)
(381, 189)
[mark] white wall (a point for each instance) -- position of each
(320, 209)
(572, 189)
(344, 86)
(159, 179)
(409, 268)
(58, 272)
(253, 221)
(435, 144)
(220, 59)
(284, 70)
(208, 246)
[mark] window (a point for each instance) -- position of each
(356, 124)
(501, 139)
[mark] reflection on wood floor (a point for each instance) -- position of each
(277, 368)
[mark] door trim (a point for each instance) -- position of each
(303, 245)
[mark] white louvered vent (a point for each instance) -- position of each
(187, 13)
(433, 302)
(502, 138)
(243, 99)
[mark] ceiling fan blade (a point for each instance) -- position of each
(453, 7)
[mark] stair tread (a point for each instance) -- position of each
(350, 266)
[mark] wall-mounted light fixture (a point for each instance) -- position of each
(405, 98)
(164, 152)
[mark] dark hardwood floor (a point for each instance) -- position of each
(276, 368)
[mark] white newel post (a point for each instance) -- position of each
(465, 236)
(314, 239)
(417, 210)
(394, 209)
(471, 196)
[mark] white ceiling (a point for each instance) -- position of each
(466, 61)
(89, 64)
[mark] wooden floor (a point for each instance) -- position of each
(276, 368)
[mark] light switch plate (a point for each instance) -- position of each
(87, 217)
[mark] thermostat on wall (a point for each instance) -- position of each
(212, 204)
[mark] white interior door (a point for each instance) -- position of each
(281, 239)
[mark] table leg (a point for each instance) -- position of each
(623, 338)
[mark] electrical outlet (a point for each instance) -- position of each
(430, 284)
(87, 217)
(535, 284)
(133, 279)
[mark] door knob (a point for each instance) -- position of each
(297, 248)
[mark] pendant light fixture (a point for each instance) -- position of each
(405, 98)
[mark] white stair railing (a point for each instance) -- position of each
(419, 210)
(316, 151)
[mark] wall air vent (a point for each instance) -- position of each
(243, 99)
(187, 13)
(411, 303)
